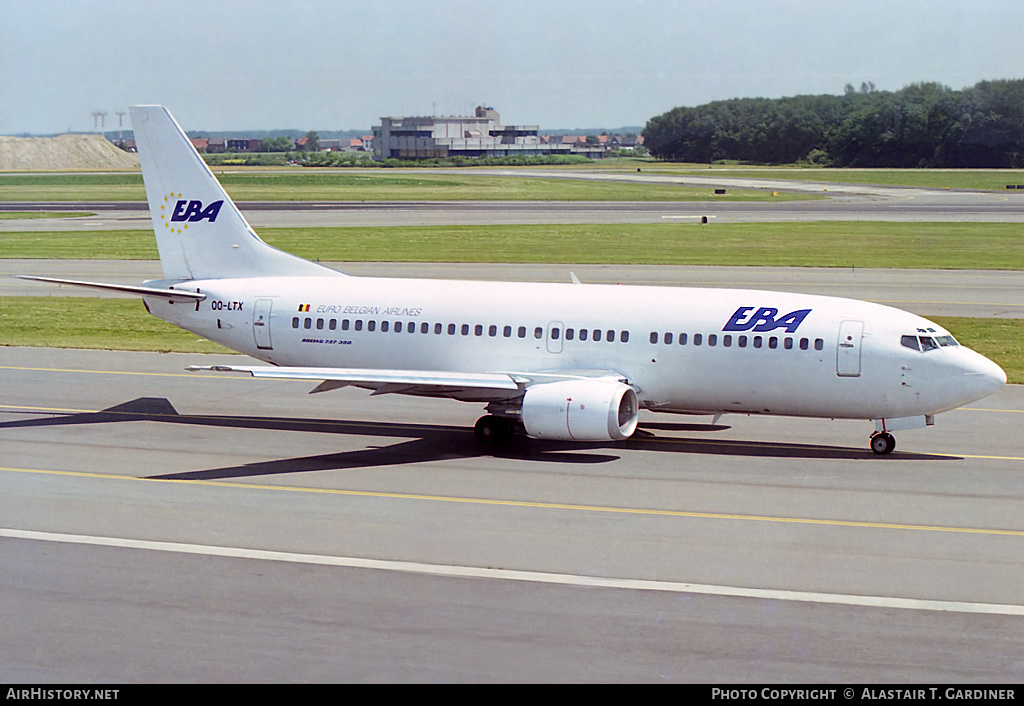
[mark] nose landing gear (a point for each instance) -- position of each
(882, 442)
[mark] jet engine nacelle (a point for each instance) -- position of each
(580, 410)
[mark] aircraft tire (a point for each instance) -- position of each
(883, 443)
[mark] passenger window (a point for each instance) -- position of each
(424, 328)
(555, 333)
(609, 336)
(597, 335)
(584, 334)
(712, 339)
(295, 322)
(383, 326)
(773, 342)
(507, 332)
(624, 336)
(359, 324)
(570, 334)
(538, 333)
(804, 344)
(727, 340)
(668, 338)
(465, 329)
(698, 339)
(521, 332)
(451, 329)
(757, 341)
(742, 341)
(910, 342)
(819, 344)
(492, 331)
(682, 339)
(371, 325)
(478, 330)
(789, 344)
(438, 329)
(333, 324)
(308, 323)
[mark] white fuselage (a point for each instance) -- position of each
(682, 349)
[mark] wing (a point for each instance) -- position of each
(468, 387)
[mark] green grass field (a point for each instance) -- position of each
(87, 322)
(974, 179)
(29, 215)
(254, 184)
(120, 324)
(819, 244)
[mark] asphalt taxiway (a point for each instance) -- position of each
(205, 527)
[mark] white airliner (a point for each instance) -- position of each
(563, 361)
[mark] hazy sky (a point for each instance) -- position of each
(340, 64)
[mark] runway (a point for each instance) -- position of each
(228, 529)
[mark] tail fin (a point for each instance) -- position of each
(199, 231)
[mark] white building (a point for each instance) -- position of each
(479, 136)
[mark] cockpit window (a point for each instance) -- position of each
(927, 343)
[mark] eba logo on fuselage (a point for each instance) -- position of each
(765, 319)
(193, 211)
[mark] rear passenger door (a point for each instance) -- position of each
(261, 324)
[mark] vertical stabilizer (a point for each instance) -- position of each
(199, 231)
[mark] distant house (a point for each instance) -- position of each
(244, 145)
(201, 143)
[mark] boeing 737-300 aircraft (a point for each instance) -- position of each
(563, 361)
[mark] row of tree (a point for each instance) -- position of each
(922, 125)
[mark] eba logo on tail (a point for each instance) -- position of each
(193, 211)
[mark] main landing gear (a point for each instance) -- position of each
(882, 442)
(492, 430)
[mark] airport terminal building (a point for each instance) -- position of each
(481, 135)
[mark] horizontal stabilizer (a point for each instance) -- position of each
(123, 288)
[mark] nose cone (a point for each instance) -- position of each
(981, 377)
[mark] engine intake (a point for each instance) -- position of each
(580, 410)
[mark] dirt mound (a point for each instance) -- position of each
(64, 152)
